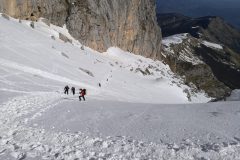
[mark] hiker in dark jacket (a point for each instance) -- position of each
(82, 94)
(73, 90)
(66, 89)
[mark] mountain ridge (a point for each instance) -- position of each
(224, 61)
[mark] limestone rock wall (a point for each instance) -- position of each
(54, 10)
(99, 24)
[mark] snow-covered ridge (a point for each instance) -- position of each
(175, 39)
(184, 53)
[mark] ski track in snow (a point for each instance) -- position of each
(22, 142)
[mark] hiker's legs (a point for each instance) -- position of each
(80, 98)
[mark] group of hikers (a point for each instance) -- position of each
(82, 92)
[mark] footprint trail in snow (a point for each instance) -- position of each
(18, 141)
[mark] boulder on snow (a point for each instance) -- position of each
(64, 38)
(65, 55)
(188, 94)
(145, 73)
(32, 25)
(86, 71)
(82, 48)
(53, 37)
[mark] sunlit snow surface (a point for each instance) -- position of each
(212, 45)
(131, 116)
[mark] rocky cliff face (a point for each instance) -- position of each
(54, 10)
(99, 24)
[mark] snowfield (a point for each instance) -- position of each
(213, 45)
(141, 111)
(175, 39)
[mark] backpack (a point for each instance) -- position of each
(84, 91)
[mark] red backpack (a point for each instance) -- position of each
(84, 92)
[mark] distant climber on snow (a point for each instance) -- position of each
(82, 93)
(73, 90)
(66, 89)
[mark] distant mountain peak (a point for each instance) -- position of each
(215, 32)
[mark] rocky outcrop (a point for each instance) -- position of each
(210, 28)
(185, 58)
(99, 24)
(224, 63)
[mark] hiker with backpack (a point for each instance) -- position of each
(82, 93)
(66, 89)
(73, 90)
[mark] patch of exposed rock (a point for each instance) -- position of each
(185, 59)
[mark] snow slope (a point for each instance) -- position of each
(33, 53)
(140, 112)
